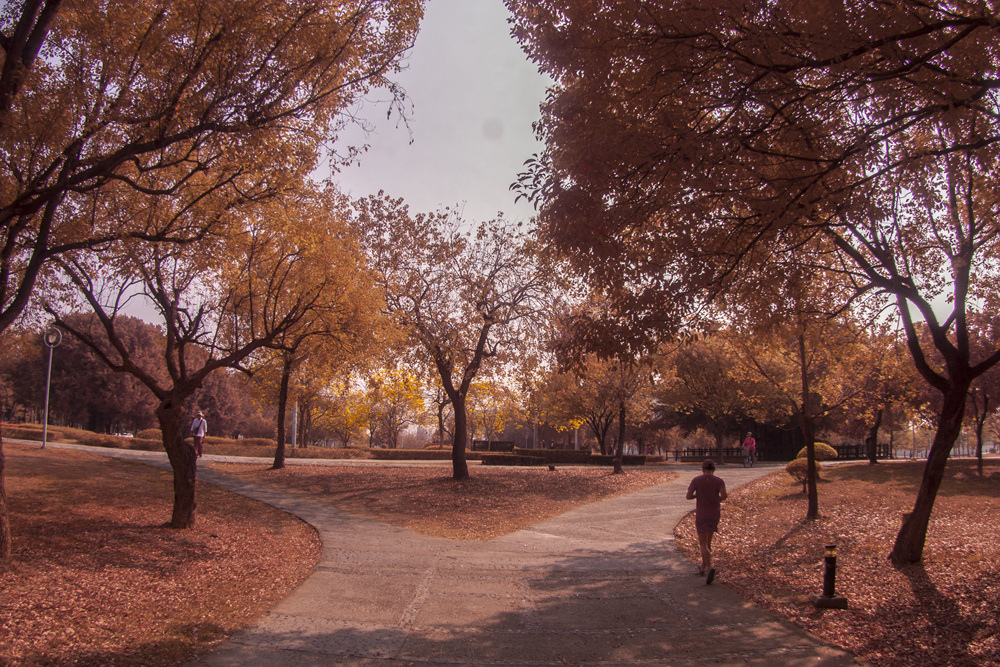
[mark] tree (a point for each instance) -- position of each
(464, 298)
(86, 392)
(345, 416)
(681, 136)
(394, 401)
(342, 316)
(145, 98)
(219, 306)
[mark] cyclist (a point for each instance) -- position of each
(749, 450)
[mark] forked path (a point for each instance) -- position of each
(602, 584)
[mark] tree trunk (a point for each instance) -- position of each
(460, 466)
(279, 451)
(909, 545)
(980, 419)
(619, 451)
(5, 542)
(183, 460)
(805, 423)
(872, 440)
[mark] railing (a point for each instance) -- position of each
(859, 451)
(701, 453)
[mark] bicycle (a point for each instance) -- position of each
(747, 458)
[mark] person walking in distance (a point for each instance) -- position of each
(199, 427)
(708, 492)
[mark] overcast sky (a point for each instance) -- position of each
(474, 97)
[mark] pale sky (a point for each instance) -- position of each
(474, 97)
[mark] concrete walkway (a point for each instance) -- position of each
(600, 585)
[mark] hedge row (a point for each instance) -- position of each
(492, 459)
(556, 455)
(627, 460)
(565, 456)
(418, 455)
(29, 432)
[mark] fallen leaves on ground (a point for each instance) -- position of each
(98, 580)
(944, 611)
(493, 501)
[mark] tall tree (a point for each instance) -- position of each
(341, 320)
(144, 97)
(464, 297)
(218, 306)
(681, 135)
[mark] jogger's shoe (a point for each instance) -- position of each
(711, 575)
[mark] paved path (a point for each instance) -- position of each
(600, 585)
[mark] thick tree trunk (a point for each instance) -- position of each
(279, 451)
(5, 541)
(183, 460)
(909, 546)
(720, 444)
(460, 467)
(872, 440)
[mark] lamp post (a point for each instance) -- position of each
(52, 338)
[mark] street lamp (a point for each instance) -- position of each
(52, 338)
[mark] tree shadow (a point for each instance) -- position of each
(588, 607)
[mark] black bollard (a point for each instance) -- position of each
(829, 599)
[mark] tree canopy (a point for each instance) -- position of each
(685, 140)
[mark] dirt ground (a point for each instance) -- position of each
(944, 611)
(99, 581)
(493, 501)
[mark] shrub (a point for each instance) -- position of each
(150, 434)
(257, 442)
(798, 469)
(145, 444)
(490, 459)
(327, 453)
(34, 432)
(824, 452)
(418, 455)
(609, 460)
(103, 440)
(556, 455)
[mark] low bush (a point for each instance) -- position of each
(556, 455)
(256, 442)
(150, 434)
(798, 470)
(418, 455)
(103, 440)
(490, 459)
(327, 453)
(34, 432)
(824, 452)
(609, 460)
(144, 444)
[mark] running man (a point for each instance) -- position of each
(708, 492)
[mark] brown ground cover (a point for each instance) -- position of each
(493, 501)
(945, 611)
(98, 581)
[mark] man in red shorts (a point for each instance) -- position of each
(708, 492)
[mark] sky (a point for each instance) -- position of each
(474, 97)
